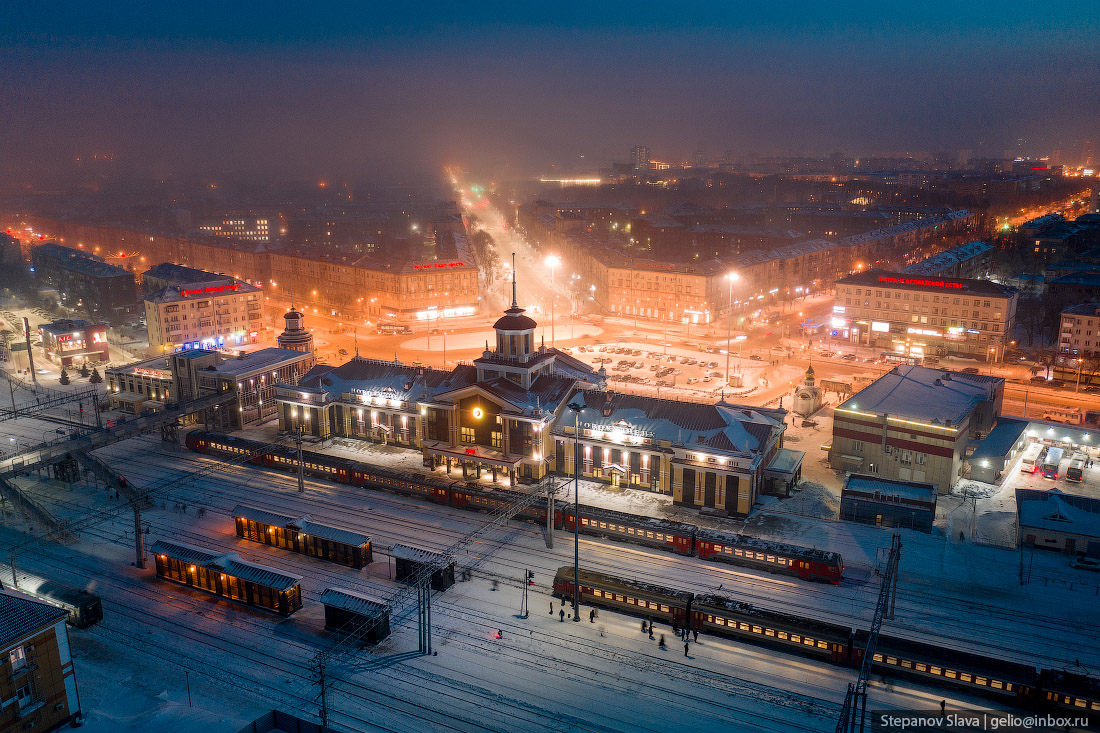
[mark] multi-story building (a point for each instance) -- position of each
(507, 414)
(37, 678)
(915, 317)
(971, 260)
(243, 227)
(217, 312)
(68, 341)
(85, 282)
(639, 158)
(144, 386)
(251, 377)
(914, 424)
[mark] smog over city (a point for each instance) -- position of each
(456, 367)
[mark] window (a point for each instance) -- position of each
(468, 435)
(18, 658)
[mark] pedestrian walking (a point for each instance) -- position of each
(500, 634)
(943, 707)
(562, 615)
(686, 645)
(644, 627)
(592, 617)
(696, 637)
(662, 642)
(551, 608)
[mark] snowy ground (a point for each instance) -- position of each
(542, 675)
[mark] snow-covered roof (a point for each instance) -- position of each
(229, 563)
(303, 524)
(349, 600)
(920, 393)
(416, 554)
(1000, 439)
(1053, 511)
(887, 489)
(786, 461)
(24, 616)
(937, 264)
(720, 427)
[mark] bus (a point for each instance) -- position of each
(1033, 457)
(1050, 463)
(1076, 470)
(391, 328)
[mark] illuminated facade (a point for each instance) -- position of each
(248, 228)
(144, 386)
(914, 424)
(214, 314)
(914, 316)
(74, 342)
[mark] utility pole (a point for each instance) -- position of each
(549, 509)
(324, 692)
(301, 465)
(15, 576)
(139, 543)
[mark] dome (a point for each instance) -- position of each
(810, 370)
(515, 322)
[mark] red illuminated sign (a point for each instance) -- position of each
(66, 337)
(917, 281)
(471, 451)
(439, 264)
(98, 338)
(211, 289)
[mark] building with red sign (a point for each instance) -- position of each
(915, 317)
(195, 309)
(914, 424)
(69, 342)
(144, 386)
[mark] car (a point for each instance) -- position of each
(712, 364)
(692, 380)
(1056, 383)
(603, 349)
(1086, 563)
(342, 352)
(706, 379)
(652, 367)
(849, 357)
(1038, 380)
(972, 370)
(756, 357)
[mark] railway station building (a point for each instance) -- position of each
(507, 415)
(914, 424)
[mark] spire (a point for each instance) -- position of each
(515, 304)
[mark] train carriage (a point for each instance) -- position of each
(84, 608)
(419, 487)
(665, 534)
(630, 596)
(225, 574)
(950, 667)
(474, 497)
(779, 557)
(729, 617)
(1070, 692)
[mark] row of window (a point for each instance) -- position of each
(765, 631)
(1077, 702)
(917, 297)
(753, 555)
(648, 534)
(948, 673)
(620, 598)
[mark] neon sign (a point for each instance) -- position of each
(151, 372)
(439, 264)
(889, 279)
(99, 338)
(211, 289)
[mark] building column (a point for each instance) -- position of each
(505, 435)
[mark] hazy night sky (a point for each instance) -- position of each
(297, 90)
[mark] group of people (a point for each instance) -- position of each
(647, 626)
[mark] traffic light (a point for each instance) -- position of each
(81, 408)
(530, 577)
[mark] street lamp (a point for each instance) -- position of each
(1080, 363)
(552, 261)
(729, 325)
(575, 408)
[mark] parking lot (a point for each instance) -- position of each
(671, 367)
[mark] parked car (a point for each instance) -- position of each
(342, 352)
(1038, 380)
(756, 357)
(972, 370)
(1086, 563)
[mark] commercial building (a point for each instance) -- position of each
(213, 313)
(37, 678)
(914, 424)
(914, 317)
(888, 503)
(250, 377)
(140, 387)
(243, 227)
(1056, 521)
(69, 342)
(1079, 343)
(86, 282)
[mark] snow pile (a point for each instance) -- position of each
(975, 490)
(811, 500)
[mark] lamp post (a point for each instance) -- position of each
(552, 261)
(1080, 363)
(576, 408)
(729, 327)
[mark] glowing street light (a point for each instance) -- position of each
(732, 277)
(552, 261)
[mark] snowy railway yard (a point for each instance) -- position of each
(543, 673)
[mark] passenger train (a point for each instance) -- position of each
(84, 608)
(685, 539)
(1020, 684)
